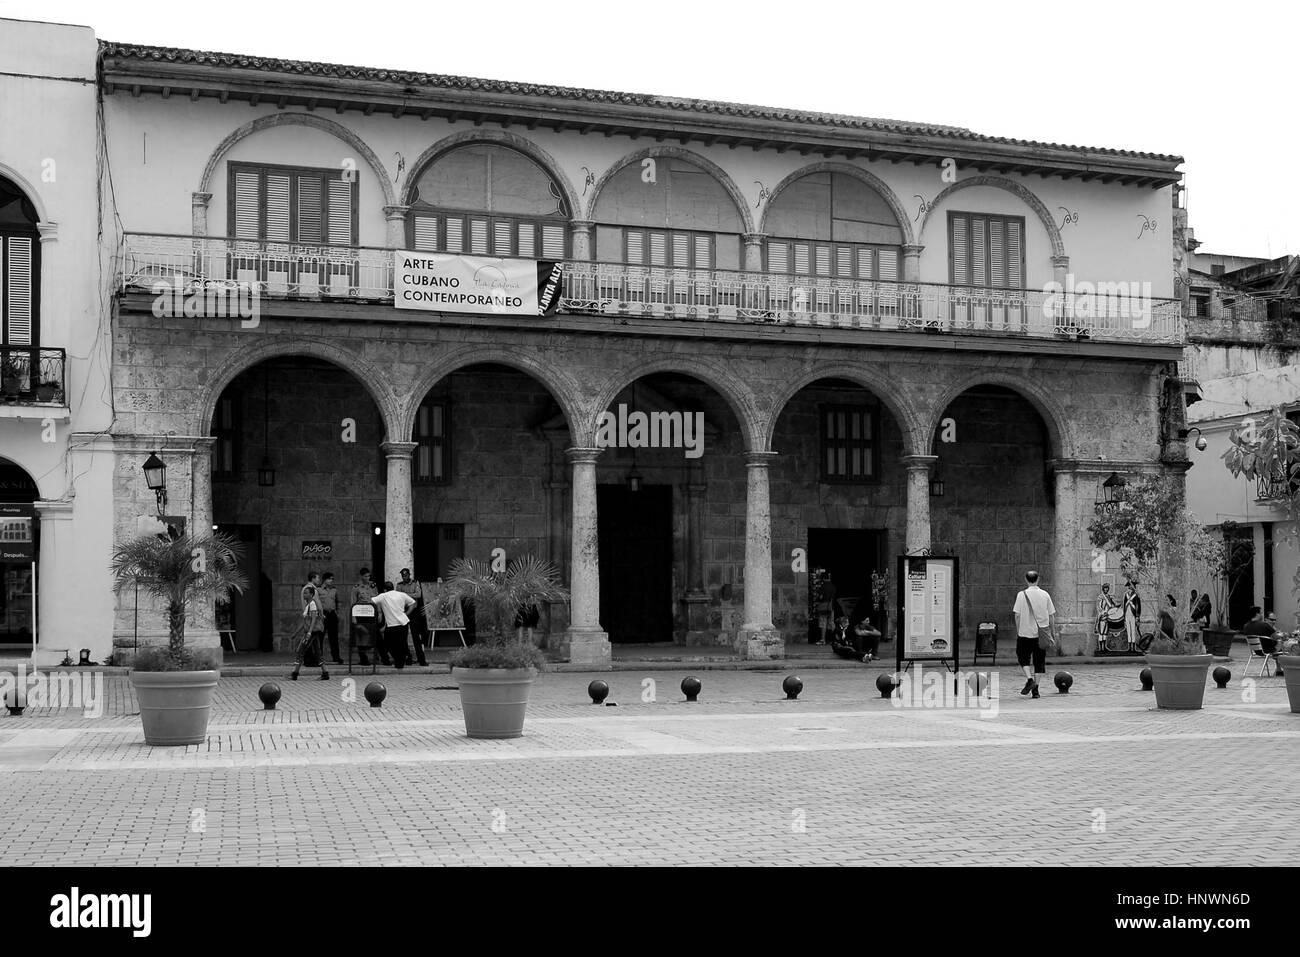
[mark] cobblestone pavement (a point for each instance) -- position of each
(840, 776)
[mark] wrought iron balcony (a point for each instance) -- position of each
(279, 270)
(32, 376)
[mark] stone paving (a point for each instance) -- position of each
(840, 776)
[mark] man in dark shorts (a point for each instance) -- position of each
(1033, 610)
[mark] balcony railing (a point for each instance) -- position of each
(281, 270)
(31, 375)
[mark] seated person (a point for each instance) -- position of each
(858, 643)
(1263, 629)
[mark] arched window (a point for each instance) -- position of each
(20, 270)
(833, 225)
(488, 200)
(680, 217)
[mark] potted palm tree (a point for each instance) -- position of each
(496, 673)
(1270, 455)
(1148, 529)
(174, 684)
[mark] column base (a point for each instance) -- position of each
(760, 644)
(582, 647)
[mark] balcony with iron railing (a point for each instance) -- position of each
(365, 274)
(31, 376)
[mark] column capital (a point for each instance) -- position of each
(396, 212)
(398, 450)
(759, 460)
(754, 238)
(200, 199)
(51, 511)
(581, 225)
(913, 249)
(1061, 262)
(582, 456)
(919, 463)
(49, 231)
(204, 443)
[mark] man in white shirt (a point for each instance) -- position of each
(394, 606)
(1033, 610)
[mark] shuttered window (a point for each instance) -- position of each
(487, 236)
(838, 260)
(18, 279)
(986, 250)
(668, 249)
(849, 439)
(289, 205)
(432, 437)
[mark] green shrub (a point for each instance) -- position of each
(508, 654)
(161, 658)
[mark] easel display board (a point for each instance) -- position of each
(927, 595)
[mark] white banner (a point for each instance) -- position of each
(446, 282)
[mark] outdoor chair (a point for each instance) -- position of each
(1258, 654)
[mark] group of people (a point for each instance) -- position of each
(399, 608)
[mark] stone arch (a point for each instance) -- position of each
(1016, 189)
(743, 403)
(29, 189)
(13, 457)
(500, 138)
(674, 152)
(563, 388)
(1059, 432)
(889, 390)
(298, 119)
(867, 178)
(239, 361)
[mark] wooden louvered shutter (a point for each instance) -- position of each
(681, 250)
(478, 237)
(552, 242)
(277, 208)
(425, 236)
(801, 259)
(703, 252)
(959, 247)
(658, 249)
(888, 259)
(979, 261)
(1015, 257)
(635, 248)
(844, 262)
(997, 253)
(502, 237)
(247, 205)
(310, 211)
(341, 213)
(527, 240)
(823, 260)
(455, 235)
(16, 269)
(778, 257)
(866, 264)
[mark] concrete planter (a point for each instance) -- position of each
(1179, 680)
(1218, 642)
(1290, 665)
(494, 700)
(174, 705)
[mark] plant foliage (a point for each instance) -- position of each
(1271, 451)
(498, 597)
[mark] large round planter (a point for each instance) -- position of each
(1219, 642)
(1290, 665)
(494, 700)
(174, 705)
(1179, 680)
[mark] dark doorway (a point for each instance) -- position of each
(849, 555)
(377, 555)
(1241, 585)
(249, 614)
(436, 546)
(20, 536)
(636, 554)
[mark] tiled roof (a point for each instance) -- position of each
(435, 81)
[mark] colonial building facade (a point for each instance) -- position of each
(895, 337)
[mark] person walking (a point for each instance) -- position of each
(419, 625)
(1033, 610)
(363, 593)
(327, 596)
(395, 606)
(313, 635)
(1132, 614)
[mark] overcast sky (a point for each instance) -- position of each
(1214, 83)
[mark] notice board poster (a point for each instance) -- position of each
(442, 608)
(927, 627)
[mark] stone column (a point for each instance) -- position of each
(199, 213)
(55, 633)
(696, 600)
(758, 638)
(1060, 275)
(203, 614)
(918, 501)
(580, 240)
(1078, 634)
(395, 216)
(584, 642)
(912, 262)
(399, 529)
(754, 252)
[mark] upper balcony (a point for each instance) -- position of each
(33, 381)
(853, 308)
